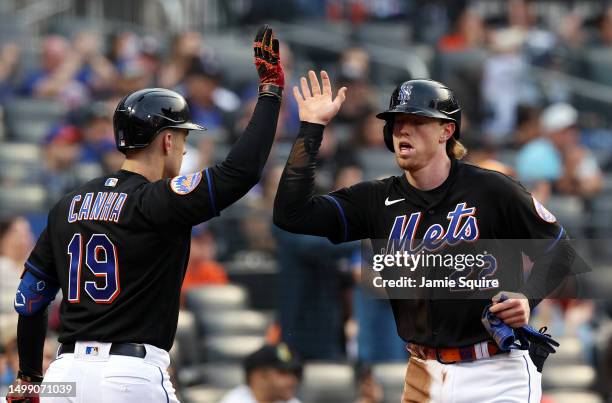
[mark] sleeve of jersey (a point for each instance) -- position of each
(188, 200)
(352, 207)
(297, 209)
(40, 262)
(544, 240)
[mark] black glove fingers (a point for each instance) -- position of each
(275, 51)
(266, 44)
(258, 41)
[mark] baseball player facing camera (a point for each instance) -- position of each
(118, 247)
(439, 203)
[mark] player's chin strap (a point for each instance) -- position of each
(539, 344)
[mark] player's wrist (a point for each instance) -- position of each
(30, 377)
(270, 90)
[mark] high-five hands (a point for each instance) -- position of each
(268, 64)
(317, 106)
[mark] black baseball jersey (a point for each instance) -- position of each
(471, 204)
(119, 245)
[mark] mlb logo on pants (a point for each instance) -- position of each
(91, 350)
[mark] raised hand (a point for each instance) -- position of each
(267, 62)
(317, 106)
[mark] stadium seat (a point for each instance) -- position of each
(187, 337)
(568, 210)
(599, 63)
(89, 171)
(222, 375)
(219, 374)
(23, 198)
(385, 33)
(230, 348)
(233, 322)
(30, 120)
(390, 376)
(568, 377)
(377, 163)
(20, 163)
(215, 298)
(203, 394)
(569, 354)
(325, 382)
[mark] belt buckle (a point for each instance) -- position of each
(439, 358)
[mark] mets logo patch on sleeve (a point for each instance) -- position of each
(543, 212)
(186, 183)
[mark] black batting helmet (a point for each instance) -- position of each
(141, 115)
(421, 97)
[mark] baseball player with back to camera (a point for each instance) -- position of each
(459, 349)
(118, 246)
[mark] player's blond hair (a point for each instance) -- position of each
(454, 149)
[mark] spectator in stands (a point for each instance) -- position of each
(288, 119)
(208, 101)
(133, 74)
(125, 47)
(9, 59)
(272, 375)
(16, 242)
(377, 339)
(185, 47)
(256, 225)
(581, 175)
(557, 160)
(9, 359)
(469, 33)
(527, 124)
(96, 137)
(354, 73)
(203, 267)
(604, 29)
(486, 156)
(311, 309)
(96, 72)
(61, 153)
(368, 133)
(368, 388)
(57, 77)
(503, 84)
(151, 57)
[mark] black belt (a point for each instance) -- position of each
(129, 349)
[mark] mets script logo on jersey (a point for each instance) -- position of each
(462, 227)
(185, 183)
(543, 212)
(404, 93)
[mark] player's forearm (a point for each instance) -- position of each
(244, 164)
(550, 272)
(31, 333)
(296, 208)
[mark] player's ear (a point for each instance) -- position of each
(166, 141)
(448, 129)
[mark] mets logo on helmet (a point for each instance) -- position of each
(404, 93)
(186, 183)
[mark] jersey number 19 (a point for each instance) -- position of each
(100, 256)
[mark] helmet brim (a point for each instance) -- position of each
(432, 113)
(187, 125)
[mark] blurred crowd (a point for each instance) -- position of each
(535, 129)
